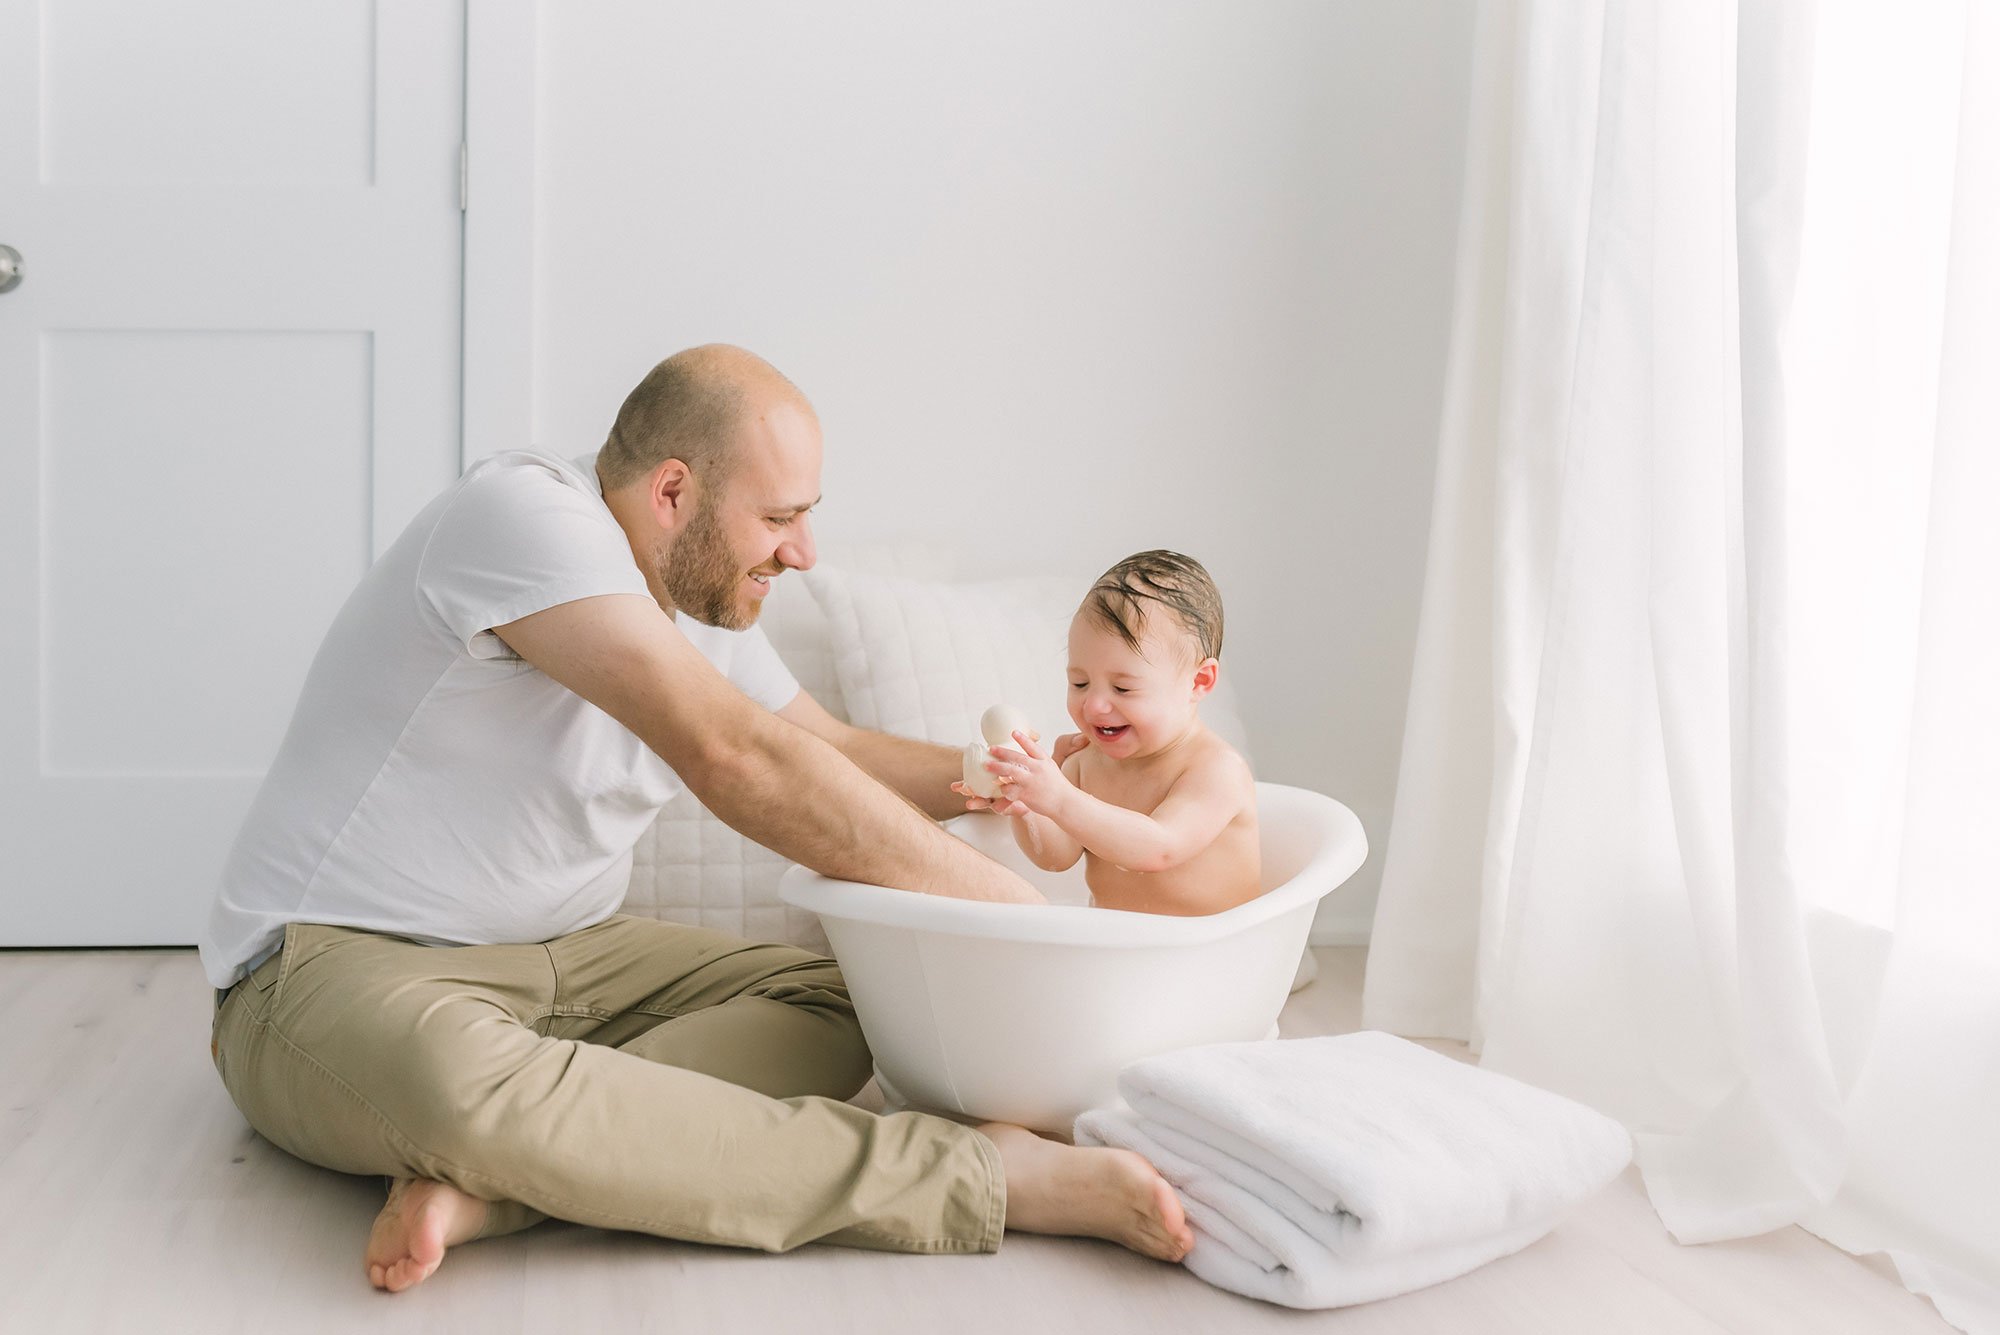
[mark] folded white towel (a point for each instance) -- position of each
(1320, 1172)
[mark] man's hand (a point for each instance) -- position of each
(999, 806)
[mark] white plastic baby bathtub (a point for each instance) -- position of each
(1026, 1013)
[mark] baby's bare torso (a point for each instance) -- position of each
(1219, 877)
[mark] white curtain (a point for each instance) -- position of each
(1699, 810)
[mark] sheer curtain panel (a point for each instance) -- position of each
(1699, 810)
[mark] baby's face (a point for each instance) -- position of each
(1132, 704)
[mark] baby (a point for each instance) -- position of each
(1162, 811)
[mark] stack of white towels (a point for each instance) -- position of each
(1319, 1172)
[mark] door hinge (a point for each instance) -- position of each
(461, 176)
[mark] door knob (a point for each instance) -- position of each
(10, 268)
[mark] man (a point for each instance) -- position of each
(421, 972)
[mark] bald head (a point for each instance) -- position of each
(692, 407)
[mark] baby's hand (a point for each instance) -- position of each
(1029, 777)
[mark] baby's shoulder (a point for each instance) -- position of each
(1217, 762)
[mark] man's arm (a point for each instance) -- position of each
(921, 771)
(772, 781)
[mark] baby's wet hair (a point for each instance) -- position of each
(1123, 596)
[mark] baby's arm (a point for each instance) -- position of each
(1046, 843)
(1192, 816)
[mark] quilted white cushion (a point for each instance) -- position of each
(921, 658)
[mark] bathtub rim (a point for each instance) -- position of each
(1342, 848)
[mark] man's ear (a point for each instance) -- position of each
(671, 493)
(1205, 673)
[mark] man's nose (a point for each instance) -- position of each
(798, 550)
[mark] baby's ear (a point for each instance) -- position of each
(1205, 673)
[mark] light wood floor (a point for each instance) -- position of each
(133, 1197)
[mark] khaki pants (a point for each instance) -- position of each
(635, 1075)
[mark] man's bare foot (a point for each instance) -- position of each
(1093, 1191)
(420, 1220)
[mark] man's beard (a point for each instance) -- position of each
(701, 575)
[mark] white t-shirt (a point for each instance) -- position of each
(432, 784)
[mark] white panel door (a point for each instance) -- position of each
(228, 377)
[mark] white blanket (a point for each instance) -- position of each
(1319, 1172)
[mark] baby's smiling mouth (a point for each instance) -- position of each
(1108, 733)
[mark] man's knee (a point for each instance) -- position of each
(497, 1111)
(792, 973)
(814, 986)
(819, 990)
(850, 1060)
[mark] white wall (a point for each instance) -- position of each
(1098, 277)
